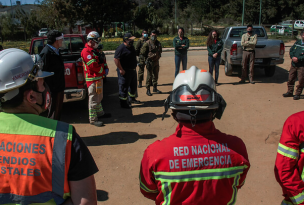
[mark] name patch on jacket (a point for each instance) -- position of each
(215, 154)
(12, 165)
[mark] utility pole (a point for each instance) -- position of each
(243, 12)
(260, 12)
(175, 12)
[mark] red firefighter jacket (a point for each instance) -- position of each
(290, 160)
(197, 165)
(93, 69)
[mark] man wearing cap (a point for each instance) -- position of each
(53, 63)
(141, 59)
(125, 60)
(151, 51)
(43, 161)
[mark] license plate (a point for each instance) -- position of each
(258, 60)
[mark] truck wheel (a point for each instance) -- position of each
(228, 68)
(269, 71)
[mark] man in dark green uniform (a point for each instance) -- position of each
(297, 68)
(151, 51)
(141, 59)
(181, 45)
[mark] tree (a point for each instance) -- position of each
(7, 26)
(146, 17)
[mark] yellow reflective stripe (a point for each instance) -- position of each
(288, 152)
(284, 202)
(234, 188)
(123, 98)
(92, 79)
(146, 189)
(298, 199)
(133, 96)
(91, 61)
(101, 69)
(166, 190)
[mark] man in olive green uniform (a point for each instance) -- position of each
(296, 53)
(151, 51)
(141, 59)
(248, 43)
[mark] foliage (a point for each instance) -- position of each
(146, 17)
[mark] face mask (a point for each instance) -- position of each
(145, 35)
(95, 46)
(214, 36)
(130, 43)
(250, 32)
(153, 38)
(181, 34)
(46, 98)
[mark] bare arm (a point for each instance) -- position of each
(117, 63)
(83, 192)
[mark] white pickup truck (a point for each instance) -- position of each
(268, 52)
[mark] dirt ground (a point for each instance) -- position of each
(255, 113)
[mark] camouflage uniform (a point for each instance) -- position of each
(141, 59)
(151, 53)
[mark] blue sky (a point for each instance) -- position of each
(8, 2)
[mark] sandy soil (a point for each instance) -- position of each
(255, 113)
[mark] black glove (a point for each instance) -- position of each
(100, 57)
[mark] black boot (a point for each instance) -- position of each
(155, 89)
(148, 92)
(139, 84)
(288, 94)
(134, 101)
(124, 104)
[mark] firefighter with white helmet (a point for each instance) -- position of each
(198, 164)
(53, 165)
(95, 70)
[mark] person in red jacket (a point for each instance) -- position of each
(197, 164)
(95, 70)
(290, 160)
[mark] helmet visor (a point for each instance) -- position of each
(202, 96)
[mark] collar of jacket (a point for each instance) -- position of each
(205, 128)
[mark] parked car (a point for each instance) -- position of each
(282, 30)
(268, 52)
(43, 32)
(299, 24)
(76, 88)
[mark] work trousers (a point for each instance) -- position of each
(127, 82)
(152, 73)
(141, 69)
(247, 56)
(214, 63)
(295, 72)
(95, 107)
(178, 60)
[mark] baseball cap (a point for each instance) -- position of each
(128, 36)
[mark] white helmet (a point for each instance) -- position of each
(93, 35)
(16, 68)
(193, 90)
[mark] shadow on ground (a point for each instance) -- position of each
(102, 195)
(280, 76)
(115, 138)
(77, 112)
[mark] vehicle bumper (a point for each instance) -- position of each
(269, 62)
(74, 95)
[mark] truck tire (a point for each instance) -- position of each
(228, 68)
(269, 71)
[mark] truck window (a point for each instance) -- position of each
(37, 47)
(66, 45)
(238, 32)
(76, 44)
